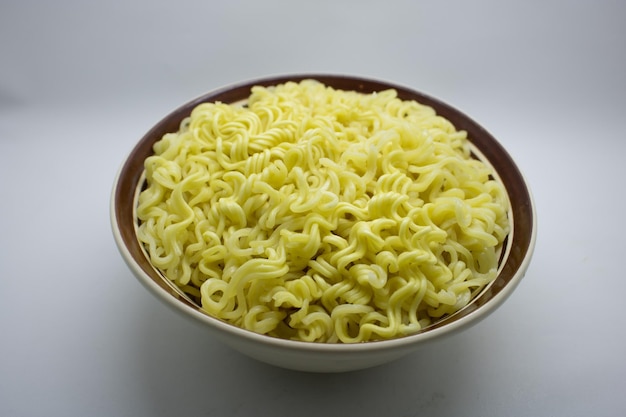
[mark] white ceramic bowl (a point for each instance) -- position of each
(320, 357)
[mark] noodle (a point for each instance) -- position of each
(322, 215)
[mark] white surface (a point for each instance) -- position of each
(80, 83)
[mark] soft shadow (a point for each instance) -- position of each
(184, 370)
(9, 99)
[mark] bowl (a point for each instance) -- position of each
(329, 357)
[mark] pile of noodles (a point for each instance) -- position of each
(317, 214)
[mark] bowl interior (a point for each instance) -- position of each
(518, 246)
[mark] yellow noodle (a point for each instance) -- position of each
(322, 215)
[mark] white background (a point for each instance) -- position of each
(81, 82)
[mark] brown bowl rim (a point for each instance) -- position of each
(522, 206)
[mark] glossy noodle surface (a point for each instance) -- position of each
(317, 214)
